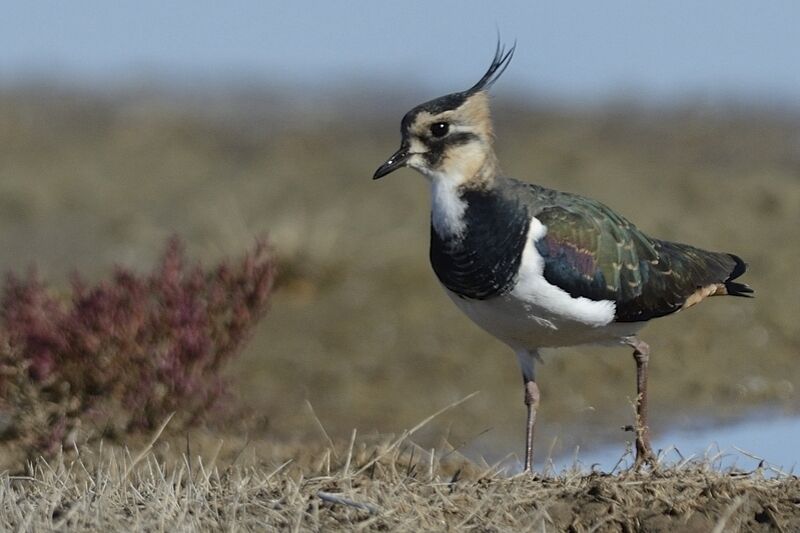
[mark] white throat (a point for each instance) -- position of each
(462, 165)
(447, 207)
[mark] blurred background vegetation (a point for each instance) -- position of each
(122, 124)
(359, 328)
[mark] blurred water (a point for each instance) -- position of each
(776, 440)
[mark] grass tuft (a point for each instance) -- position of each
(406, 489)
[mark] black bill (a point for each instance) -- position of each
(397, 160)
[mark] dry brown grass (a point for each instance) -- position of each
(388, 485)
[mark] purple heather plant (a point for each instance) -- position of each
(124, 353)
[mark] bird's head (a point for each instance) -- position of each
(451, 137)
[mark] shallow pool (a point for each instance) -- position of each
(775, 439)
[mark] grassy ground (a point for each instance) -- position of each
(390, 485)
(360, 330)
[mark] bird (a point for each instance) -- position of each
(539, 268)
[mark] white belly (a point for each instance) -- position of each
(523, 325)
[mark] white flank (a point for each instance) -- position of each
(537, 314)
(533, 289)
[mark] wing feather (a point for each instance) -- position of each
(592, 252)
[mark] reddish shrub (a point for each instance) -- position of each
(124, 353)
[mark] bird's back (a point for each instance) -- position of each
(588, 251)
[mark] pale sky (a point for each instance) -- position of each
(572, 49)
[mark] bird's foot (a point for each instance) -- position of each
(644, 452)
(644, 457)
(529, 473)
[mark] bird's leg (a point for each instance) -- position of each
(641, 354)
(532, 402)
(526, 361)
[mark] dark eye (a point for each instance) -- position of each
(439, 129)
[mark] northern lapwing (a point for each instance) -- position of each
(541, 268)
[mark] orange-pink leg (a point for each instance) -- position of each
(532, 402)
(527, 359)
(641, 354)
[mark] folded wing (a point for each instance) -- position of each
(592, 252)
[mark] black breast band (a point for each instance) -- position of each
(483, 262)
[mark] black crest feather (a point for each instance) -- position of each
(499, 64)
(454, 100)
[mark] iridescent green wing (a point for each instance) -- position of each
(589, 251)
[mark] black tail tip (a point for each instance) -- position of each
(734, 288)
(738, 269)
